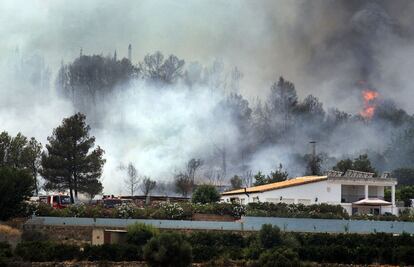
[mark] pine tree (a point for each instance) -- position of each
(68, 163)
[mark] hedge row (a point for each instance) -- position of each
(185, 211)
(172, 211)
(266, 247)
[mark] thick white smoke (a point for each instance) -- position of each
(160, 129)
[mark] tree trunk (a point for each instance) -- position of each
(75, 187)
(71, 196)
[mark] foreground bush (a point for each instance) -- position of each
(269, 236)
(112, 252)
(168, 249)
(212, 245)
(5, 253)
(280, 257)
(139, 233)
(46, 251)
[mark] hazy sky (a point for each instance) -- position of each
(323, 46)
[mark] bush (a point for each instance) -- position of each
(5, 254)
(222, 208)
(34, 235)
(172, 211)
(204, 246)
(269, 236)
(205, 194)
(112, 252)
(322, 211)
(139, 233)
(213, 245)
(279, 257)
(34, 251)
(168, 249)
(64, 252)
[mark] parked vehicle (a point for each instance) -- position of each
(56, 201)
(112, 202)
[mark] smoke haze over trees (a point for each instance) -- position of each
(241, 94)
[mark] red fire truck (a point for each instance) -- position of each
(56, 201)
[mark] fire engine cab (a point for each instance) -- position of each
(56, 201)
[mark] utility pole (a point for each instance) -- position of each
(313, 144)
(130, 53)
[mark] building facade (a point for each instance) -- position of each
(358, 192)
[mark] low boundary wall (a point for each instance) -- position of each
(245, 224)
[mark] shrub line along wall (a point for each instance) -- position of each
(245, 224)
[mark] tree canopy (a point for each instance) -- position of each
(278, 175)
(16, 186)
(69, 163)
(361, 163)
(205, 194)
(21, 153)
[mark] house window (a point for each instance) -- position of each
(328, 189)
(242, 201)
(288, 200)
(304, 201)
(272, 200)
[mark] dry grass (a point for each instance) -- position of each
(7, 230)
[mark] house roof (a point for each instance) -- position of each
(278, 185)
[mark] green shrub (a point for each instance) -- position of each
(205, 194)
(139, 233)
(5, 254)
(34, 235)
(64, 252)
(172, 211)
(269, 236)
(168, 249)
(279, 257)
(204, 246)
(16, 186)
(34, 251)
(112, 252)
(322, 211)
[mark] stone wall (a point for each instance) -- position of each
(80, 264)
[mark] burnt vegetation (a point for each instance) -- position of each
(282, 120)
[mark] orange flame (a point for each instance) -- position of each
(369, 97)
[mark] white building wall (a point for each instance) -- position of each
(311, 193)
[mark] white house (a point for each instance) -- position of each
(357, 192)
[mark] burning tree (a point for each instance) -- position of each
(370, 104)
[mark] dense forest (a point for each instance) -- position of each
(161, 114)
(248, 131)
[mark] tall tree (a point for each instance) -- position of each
(314, 164)
(192, 166)
(236, 182)
(69, 162)
(260, 179)
(361, 163)
(132, 179)
(183, 184)
(277, 176)
(21, 153)
(16, 186)
(147, 185)
(282, 103)
(32, 158)
(156, 69)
